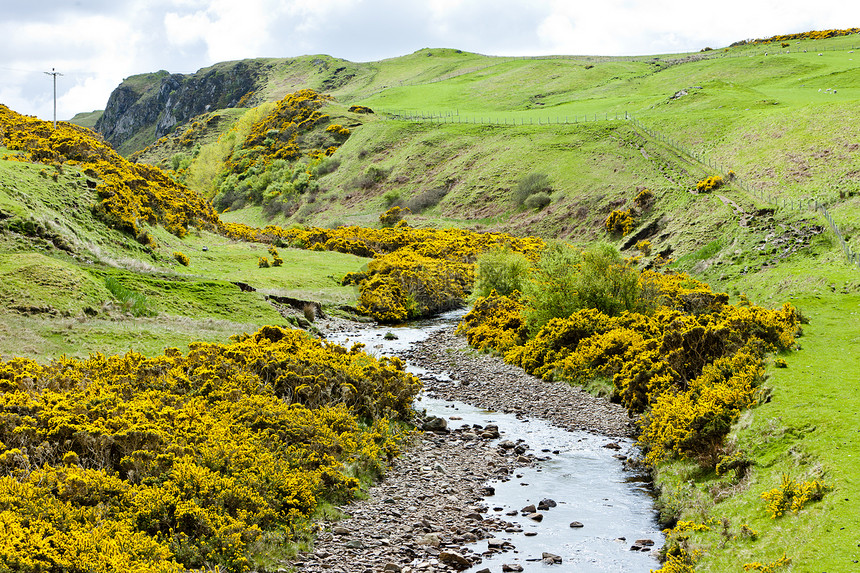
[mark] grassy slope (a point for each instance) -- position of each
(57, 302)
(761, 115)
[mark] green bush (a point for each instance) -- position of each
(392, 198)
(551, 291)
(537, 201)
(502, 270)
(529, 185)
(606, 281)
(566, 280)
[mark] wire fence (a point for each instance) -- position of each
(455, 117)
(812, 204)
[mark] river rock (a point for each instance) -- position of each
(550, 558)
(507, 445)
(535, 516)
(644, 542)
(576, 524)
(455, 559)
(430, 539)
(529, 509)
(435, 424)
(512, 567)
(546, 504)
(392, 568)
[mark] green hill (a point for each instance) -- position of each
(90, 241)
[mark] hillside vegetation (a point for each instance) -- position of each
(380, 188)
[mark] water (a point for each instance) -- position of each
(588, 483)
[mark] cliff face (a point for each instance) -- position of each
(145, 108)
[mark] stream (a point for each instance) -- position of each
(586, 479)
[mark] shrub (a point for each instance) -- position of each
(710, 184)
(644, 200)
(359, 109)
(263, 263)
(644, 247)
(619, 222)
(338, 130)
(392, 198)
(182, 461)
(426, 199)
(501, 270)
(495, 323)
(792, 495)
(530, 185)
(327, 165)
(393, 216)
(551, 291)
(181, 258)
(537, 201)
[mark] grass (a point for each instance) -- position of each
(761, 115)
(806, 430)
(107, 294)
(133, 302)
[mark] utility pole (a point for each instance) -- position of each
(55, 73)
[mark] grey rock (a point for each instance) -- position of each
(577, 524)
(546, 504)
(454, 559)
(550, 558)
(435, 424)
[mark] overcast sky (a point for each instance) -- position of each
(97, 43)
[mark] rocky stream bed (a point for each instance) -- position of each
(436, 508)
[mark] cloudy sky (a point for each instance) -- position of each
(97, 43)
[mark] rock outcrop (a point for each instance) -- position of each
(150, 105)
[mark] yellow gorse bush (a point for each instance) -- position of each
(710, 183)
(179, 460)
(792, 496)
(130, 194)
(619, 222)
(768, 567)
(689, 367)
(495, 323)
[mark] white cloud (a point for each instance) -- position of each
(98, 42)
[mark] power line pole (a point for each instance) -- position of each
(55, 73)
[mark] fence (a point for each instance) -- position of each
(455, 117)
(779, 202)
(786, 203)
